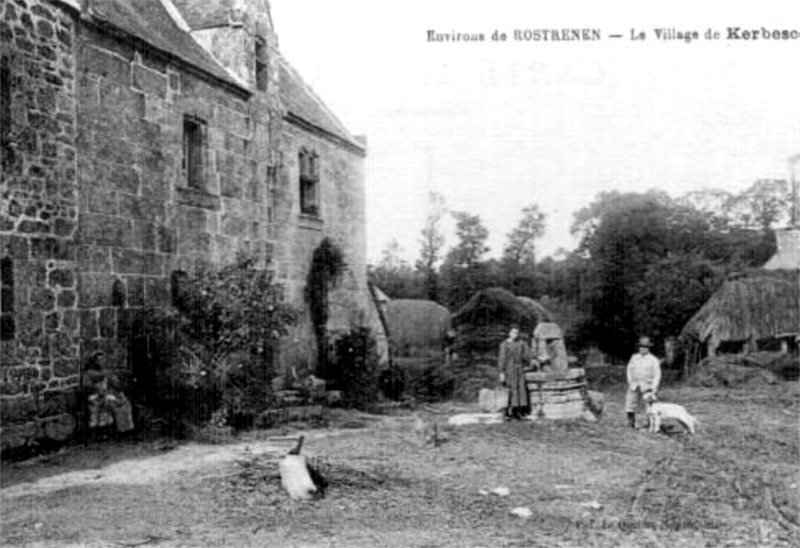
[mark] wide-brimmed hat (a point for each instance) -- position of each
(644, 341)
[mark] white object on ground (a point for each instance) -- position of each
(501, 491)
(463, 419)
(522, 512)
(594, 505)
(493, 400)
(295, 477)
(483, 492)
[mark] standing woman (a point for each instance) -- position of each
(514, 357)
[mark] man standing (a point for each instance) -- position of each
(644, 373)
(514, 357)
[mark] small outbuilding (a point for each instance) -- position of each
(749, 312)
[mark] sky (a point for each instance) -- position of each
(495, 126)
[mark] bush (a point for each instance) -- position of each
(354, 369)
(393, 382)
(225, 324)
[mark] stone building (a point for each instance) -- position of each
(136, 137)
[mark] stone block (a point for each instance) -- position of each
(59, 345)
(135, 285)
(13, 436)
(157, 291)
(95, 290)
(63, 227)
(234, 226)
(66, 299)
(124, 178)
(144, 236)
(149, 81)
(15, 247)
(8, 327)
(138, 208)
(130, 261)
(18, 409)
(61, 277)
(167, 240)
(17, 380)
(102, 230)
(89, 328)
(94, 259)
(197, 198)
(106, 64)
(52, 321)
(42, 299)
(107, 322)
(65, 367)
(59, 427)
(70, 322)
(29, 325)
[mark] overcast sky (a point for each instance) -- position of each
(496, 126)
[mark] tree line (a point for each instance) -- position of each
(645, 262)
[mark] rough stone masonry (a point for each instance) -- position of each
(105, 198)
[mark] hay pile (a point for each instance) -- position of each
(730, 372)
(483, 322)
(416, 327)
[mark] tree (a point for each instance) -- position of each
(395, 276)
(519, 254)
(431, 244)
(763, 205)
(463, 271)
(472, 236)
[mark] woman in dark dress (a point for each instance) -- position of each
(514, 357)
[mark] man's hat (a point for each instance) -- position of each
(644, 341)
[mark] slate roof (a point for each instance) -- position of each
(301, 101)
(150, 22)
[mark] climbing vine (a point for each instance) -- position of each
(327, 265)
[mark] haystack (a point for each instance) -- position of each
(752, 307)
(483, 322)
(416, 327)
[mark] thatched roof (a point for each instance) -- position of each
(484, 320)
(416, 326)
(759, 305)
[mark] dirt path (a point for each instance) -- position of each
(735, 484)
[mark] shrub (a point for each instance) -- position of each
(355, 368)
(226, 322)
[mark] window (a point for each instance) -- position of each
(194, 152)
(309, 182)
(261, 65)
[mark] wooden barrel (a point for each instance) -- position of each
(558, 394)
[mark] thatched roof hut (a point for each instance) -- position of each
(483, 322)
(416, 327)
(752, 307)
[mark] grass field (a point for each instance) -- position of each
(736, 483)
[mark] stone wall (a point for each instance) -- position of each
(98, 213)
(140, 220)
(342, 219)
(40, 318)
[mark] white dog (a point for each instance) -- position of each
(657, 412)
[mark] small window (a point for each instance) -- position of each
(309, 182)
(261, 66)
(194, 152)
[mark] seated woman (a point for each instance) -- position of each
(107, 404)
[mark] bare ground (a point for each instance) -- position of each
(736, 483)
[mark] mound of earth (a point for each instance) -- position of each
(724, 371)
